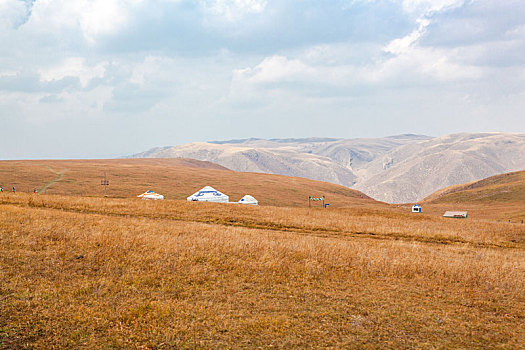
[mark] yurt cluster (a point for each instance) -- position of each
(206, 194)
(210, 194)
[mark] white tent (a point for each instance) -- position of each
(150, 195)
(248, 200)
(209, 194)
(416, 208)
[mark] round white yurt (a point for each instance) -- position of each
(151, 195)
(208, 194)
(416, 208)
(248, 200)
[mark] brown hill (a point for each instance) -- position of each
(175, 178)
(500, 197)
(508, 187)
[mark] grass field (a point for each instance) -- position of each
(88, 272)
(174, 178)
(500, 197)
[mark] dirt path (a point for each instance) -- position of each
(320, 233)
(59, 175)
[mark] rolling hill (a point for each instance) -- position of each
(337, 161)
(507, 188)
(499, 197)
(175, 178)
(396, 169)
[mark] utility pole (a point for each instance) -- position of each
(105, 183)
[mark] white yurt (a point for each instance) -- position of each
(151, 195)
(248, 200)
(416, 208)
(208, 194)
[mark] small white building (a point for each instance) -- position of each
(416, 208)
(456, 214)
(248, 200)
(208, 194)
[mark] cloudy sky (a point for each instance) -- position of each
(106, 78)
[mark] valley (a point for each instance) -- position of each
(395, 169)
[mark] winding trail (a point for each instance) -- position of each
(59, 175)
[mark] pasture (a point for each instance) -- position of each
(91, 272)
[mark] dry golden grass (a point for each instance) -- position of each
(500, 197)
(372, 219)
(509, 187)
(174, 178)
(123, 273)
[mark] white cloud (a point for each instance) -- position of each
(412, 66)
(152, 68)
(77, 105)
(224, 61)
(424, 9)
(429, 63)
(12, 13)
(425, 66)
(75, 67)
(274, 69)
(7, 73)
(93, 18)
(430, 6)
(401, 45)
(235, 9)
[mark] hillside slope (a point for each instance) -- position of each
(508, 188)
(282, 160)
(174, 178)
(417, 170)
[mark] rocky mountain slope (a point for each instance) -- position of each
(396, 169)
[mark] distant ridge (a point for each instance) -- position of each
(309, 139)
(396, 169)
(234, 141)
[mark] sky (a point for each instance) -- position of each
(109, 78)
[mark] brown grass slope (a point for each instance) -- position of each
(508, 187)
(500, 196)
(83, 272)
(174, 178)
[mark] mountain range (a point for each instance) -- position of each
(396, 169)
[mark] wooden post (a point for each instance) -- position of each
(309, 201)
(105, 183)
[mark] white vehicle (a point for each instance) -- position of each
(416, 208)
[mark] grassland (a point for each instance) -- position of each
(174, 178)
(87, 272)
(498, 197)
(509, 187)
